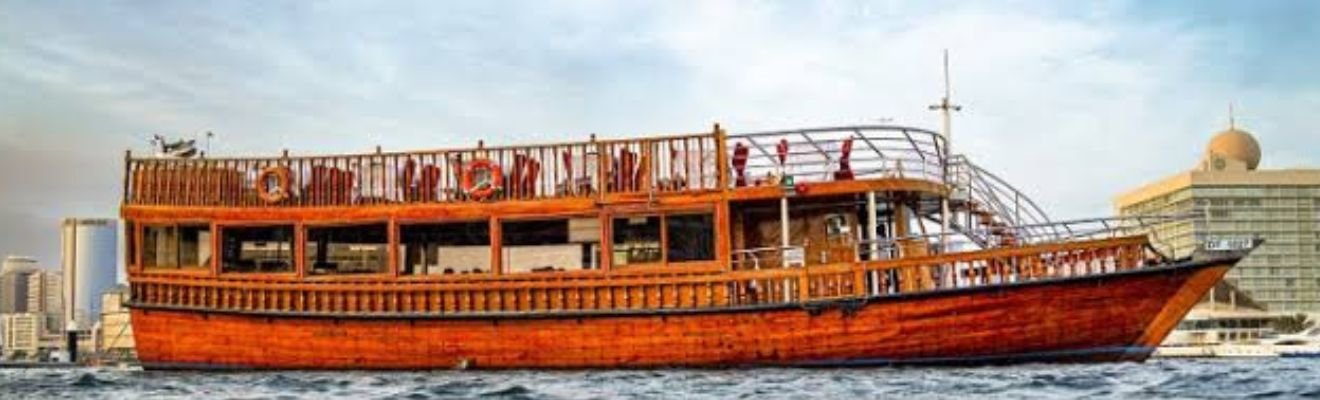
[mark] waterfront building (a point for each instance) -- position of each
(115, 339)
(89, 249)
(22, 332)
(1235, 199)
(14, 283)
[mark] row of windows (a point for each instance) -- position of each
(431, 248)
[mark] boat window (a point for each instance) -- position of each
(691, 237)
(636, 240)
(447, 248)
(257, 249)
(550, 245)
(176, 246)
(348, 249)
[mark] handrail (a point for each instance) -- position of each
(1035, 234)
(569, 170)
(606, 293)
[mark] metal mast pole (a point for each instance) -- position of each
(945, 107)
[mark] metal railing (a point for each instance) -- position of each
(835, 153)
(1022, 235)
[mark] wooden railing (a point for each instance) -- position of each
(584, 169)
(671, 291)
(656, 165)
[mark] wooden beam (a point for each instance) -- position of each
(496, 246)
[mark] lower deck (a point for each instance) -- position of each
(1123, 314)
(643, 290)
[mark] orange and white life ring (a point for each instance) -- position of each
(482, 179)
(273, 184)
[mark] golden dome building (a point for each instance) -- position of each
(1239, 200)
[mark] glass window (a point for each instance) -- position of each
(176, 246)
(550, 245)
(257, 249)
(691, 237)
(636, 240)
(351, 249)
(448, 248)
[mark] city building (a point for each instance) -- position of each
(115, 341)
(22, 332)
(45, 297)
(14, 283)
(89, 253)
(1232, 198)
(17, 262)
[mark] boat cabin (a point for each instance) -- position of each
(673, 213)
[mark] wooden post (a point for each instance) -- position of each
(721, 158)
(496, 246)
(723, 236)
(300, 249)
(606, 240)
(784, 232)
(128, 172)
(664, 238)
(216, 251)
(393, 246)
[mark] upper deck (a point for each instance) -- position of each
(603, 171)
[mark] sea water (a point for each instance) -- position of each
(1205, 378)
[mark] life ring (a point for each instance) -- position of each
(280, 189)
(478, 188)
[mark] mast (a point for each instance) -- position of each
(945, 107)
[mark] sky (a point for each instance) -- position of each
(1072, 102)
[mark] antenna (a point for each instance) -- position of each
(946, 105)
(1232, 122)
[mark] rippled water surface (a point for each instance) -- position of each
(1265, 378)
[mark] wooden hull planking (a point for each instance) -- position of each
(1113, 317)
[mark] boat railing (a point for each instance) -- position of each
(570, 170)
(768, 257)
(813, 287)
(994, 203)
(984, 238)
(835, 154)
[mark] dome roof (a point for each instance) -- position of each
(1236, 144)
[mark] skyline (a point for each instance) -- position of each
(1072, 106)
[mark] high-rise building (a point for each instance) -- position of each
(1234, 199)
(89, 252)
(14, 283)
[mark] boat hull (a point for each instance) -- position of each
(1113, 317)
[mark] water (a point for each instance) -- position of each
(1242, 378)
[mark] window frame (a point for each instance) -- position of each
(295, 250)
(664, 262)
(600, 241)
(301, 237)
(136, 246)
(397, 233)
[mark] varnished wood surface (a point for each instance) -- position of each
(700, 285)
(1100, 317)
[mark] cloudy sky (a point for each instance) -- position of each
(1073, 103)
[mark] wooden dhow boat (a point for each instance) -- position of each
(859, 245)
